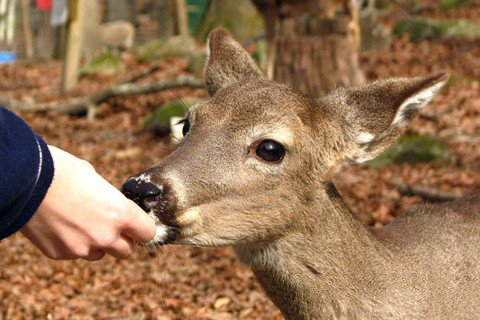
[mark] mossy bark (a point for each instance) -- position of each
(239, 17)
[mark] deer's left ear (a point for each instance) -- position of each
(378, 113)
(227, 62)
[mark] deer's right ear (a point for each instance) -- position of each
(227, 62)
(378, 113)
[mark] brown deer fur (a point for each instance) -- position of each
(287, 221)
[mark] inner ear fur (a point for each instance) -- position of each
(380, 112)
(227, 62)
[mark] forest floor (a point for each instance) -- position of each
(177, 282)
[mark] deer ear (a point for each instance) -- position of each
(227, 62)
(382, 110)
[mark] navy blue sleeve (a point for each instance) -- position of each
(26, 172)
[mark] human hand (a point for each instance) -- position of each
(83, 216)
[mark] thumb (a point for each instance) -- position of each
(140, 226)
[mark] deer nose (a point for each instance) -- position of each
(143, 192)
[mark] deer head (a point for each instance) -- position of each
(258, 153)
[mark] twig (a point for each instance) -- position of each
(429, 194)
(151, 69)
(145, 73)
(82, 104)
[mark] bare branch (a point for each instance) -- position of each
(83, 104)
(429, 194)
(148, 71)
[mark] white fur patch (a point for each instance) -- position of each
(281, 134)
(161, 233)
(364, 137)
(144, 177)
(176, 129)
(208, 53)
(363, 157)
(416, 102)
(264, 167)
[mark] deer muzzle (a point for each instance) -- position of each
(157, 200)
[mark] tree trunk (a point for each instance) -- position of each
(160, 12)
(315, 50)
(27, 29)
(74, 44)
(182, 18)
(92, 43)
(121, 10)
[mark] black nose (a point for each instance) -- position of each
(143, 193)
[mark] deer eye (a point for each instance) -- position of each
(186, 126)
(270, 151)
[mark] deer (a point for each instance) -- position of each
(254, 171)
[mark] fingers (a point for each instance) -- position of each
(140, 227)
(84, 216)
(94, 255)
(121, 248)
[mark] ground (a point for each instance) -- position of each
(177, 282)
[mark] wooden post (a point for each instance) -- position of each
(3, 20)
(11, 17)
(182, 19)
(74, 44)
(27, 29)
(172, 18)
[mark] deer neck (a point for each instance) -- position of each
(327, 266)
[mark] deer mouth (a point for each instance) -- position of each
(164, 234)
(158, 200)
(174, 227)
(167, 230)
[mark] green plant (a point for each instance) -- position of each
(413, 149)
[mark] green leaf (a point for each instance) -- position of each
(159, 120)
(108, 62)
(451, 4)
(161, 48)
(196, 60)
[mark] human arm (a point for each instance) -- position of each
(26, 171)
(81, 215)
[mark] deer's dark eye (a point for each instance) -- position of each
(270, 151)
(186, 126)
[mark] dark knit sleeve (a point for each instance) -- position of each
(26, 172)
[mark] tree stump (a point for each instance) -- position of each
(316, 55)
(313, 45)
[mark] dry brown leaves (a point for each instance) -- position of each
(191, 283)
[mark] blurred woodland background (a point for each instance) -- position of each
(107, 79)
